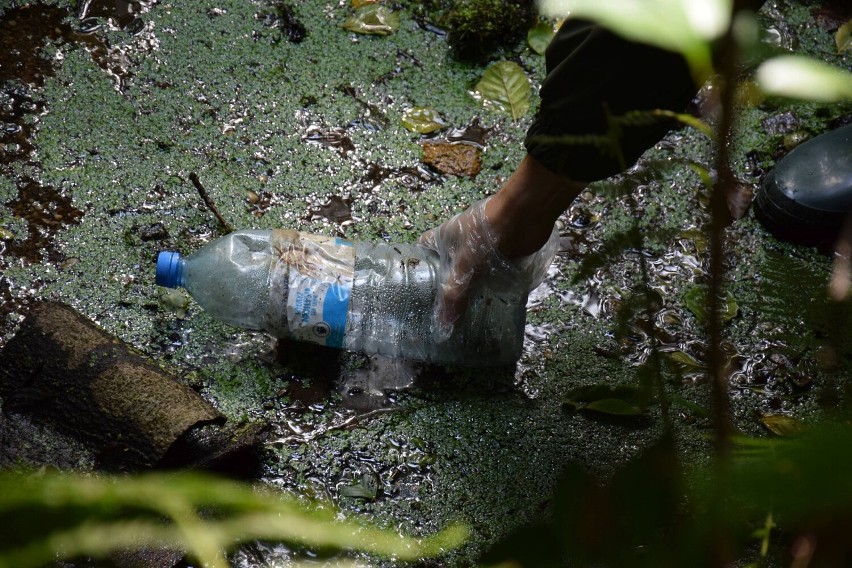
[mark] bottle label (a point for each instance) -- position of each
(310, 286)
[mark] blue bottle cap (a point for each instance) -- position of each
(169, 270)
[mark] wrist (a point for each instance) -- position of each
(523, 212)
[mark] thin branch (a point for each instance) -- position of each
(209, 202)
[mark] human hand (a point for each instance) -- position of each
(471, 256)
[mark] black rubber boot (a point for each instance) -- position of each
(806, 198)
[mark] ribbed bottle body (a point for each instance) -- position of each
(392, 312)
(377, 298)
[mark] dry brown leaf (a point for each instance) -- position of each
(453, 159)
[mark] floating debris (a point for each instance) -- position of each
(423, 120)
(461, 160)
(373, 19)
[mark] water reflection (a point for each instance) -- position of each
(332, 390)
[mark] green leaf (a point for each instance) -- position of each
(505, 87)
(614, 406)
(373, 19)
(423, 120)
(539, 37)
(681, 402)
(695, 298)
(729, 308)
(843, 37)
(686, 360)
(617, 400)
(698, 238)
(703, 173)
(804, 78)
(689, 120)
(799, 478)
(782, 425)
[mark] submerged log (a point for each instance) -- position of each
(61, 367)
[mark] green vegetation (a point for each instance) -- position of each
(477, 29)
(53, 516)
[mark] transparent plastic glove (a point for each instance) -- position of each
(470, 258)
(840, 284)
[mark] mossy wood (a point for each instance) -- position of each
(63, 368)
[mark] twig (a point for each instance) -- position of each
(301, 437)
(209, 202)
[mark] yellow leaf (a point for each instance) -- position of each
(782, 425)
(843, 37)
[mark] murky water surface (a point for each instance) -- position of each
(104, 113)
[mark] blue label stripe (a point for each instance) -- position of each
(334, 310)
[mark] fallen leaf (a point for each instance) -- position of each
(782, 425)
(473, 133)
(453, 159)
(337, 210)
(695, 299)
(539, 37)
(505, 87)
(423, 120)
(614, 406)
(843, 37)
(739, 196)
(373, 19)
(605, 399)
(698, 238)
(686, 360)
(365, 488)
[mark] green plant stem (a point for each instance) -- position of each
(719, 380)
(723, 545)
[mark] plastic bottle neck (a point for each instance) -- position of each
(170, 269)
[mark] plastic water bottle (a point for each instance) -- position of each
(376, 298)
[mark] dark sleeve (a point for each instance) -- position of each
(591, 71)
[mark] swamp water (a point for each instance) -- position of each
(105, 115)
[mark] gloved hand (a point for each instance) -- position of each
(471, 257)
(840, 284)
